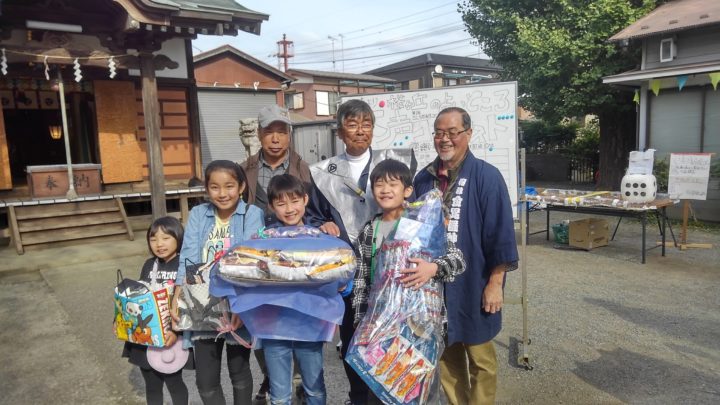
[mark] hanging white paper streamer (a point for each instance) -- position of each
(3, 63)
(47, 69)
(78, 73)
(111, 66)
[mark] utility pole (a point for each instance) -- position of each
(286, 50)
(333, 39)
(342, 50)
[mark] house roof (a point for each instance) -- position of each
(229, 49)
(678, 15)
(432, 59)
(341, 76)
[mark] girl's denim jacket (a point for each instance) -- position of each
(245, 221)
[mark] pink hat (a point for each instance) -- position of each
(168, 360)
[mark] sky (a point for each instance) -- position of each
(367, 34)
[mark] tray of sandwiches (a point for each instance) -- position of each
(288, 256)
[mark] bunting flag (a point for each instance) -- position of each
(714, 79)
(655, 86)
(636, 98)
(681, 81)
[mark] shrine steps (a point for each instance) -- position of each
(70, 223)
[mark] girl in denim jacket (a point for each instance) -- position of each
(213, 227)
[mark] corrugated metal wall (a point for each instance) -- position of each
(220, 113)
(314, 140)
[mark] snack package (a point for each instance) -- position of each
(396, 346)
(142, 315)
(288, 255)
(197, 309)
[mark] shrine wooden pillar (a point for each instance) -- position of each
(151, 111)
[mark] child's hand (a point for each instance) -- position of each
(330, 228)
(171, 339)
(419, 275)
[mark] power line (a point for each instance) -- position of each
(387, 54)
(401, 18)
(409, 37)
(389, 21)
(384, 31)
(390, 61)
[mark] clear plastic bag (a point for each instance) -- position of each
(397, 344)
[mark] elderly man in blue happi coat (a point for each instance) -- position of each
(480, 222)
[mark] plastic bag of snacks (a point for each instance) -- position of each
(142, 312)
(396, 346)
(288, 255)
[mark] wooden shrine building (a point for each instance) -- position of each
(130, 94)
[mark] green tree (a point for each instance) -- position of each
(558, 51)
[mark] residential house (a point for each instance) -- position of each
(680, 49)
(315, 94)
(436, 70)
(232, 85)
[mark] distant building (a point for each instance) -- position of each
(436, 70)
(315, 94)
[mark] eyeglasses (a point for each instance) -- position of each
(452, 135)
(355, 127)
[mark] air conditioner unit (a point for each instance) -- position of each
(667, 50)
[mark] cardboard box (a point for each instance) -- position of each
(589, 233)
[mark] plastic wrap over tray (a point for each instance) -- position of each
(288, 256)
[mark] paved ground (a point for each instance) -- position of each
(604, 328)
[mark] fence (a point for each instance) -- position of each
(583, 169)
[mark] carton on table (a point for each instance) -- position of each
(588, 233)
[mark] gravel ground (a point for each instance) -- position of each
(605, 329)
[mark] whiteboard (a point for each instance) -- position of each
(404, 119)
(689, 175)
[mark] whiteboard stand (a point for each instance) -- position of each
(683, 245)
(523, 351)
(687, 180)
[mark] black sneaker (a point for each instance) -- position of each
(264, 388)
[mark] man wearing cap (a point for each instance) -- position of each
(274, 157)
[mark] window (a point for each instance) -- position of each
(667, 50)
(326, 102)
(451, 82)
(294, 101)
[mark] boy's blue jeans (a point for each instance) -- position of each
(278, 358)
